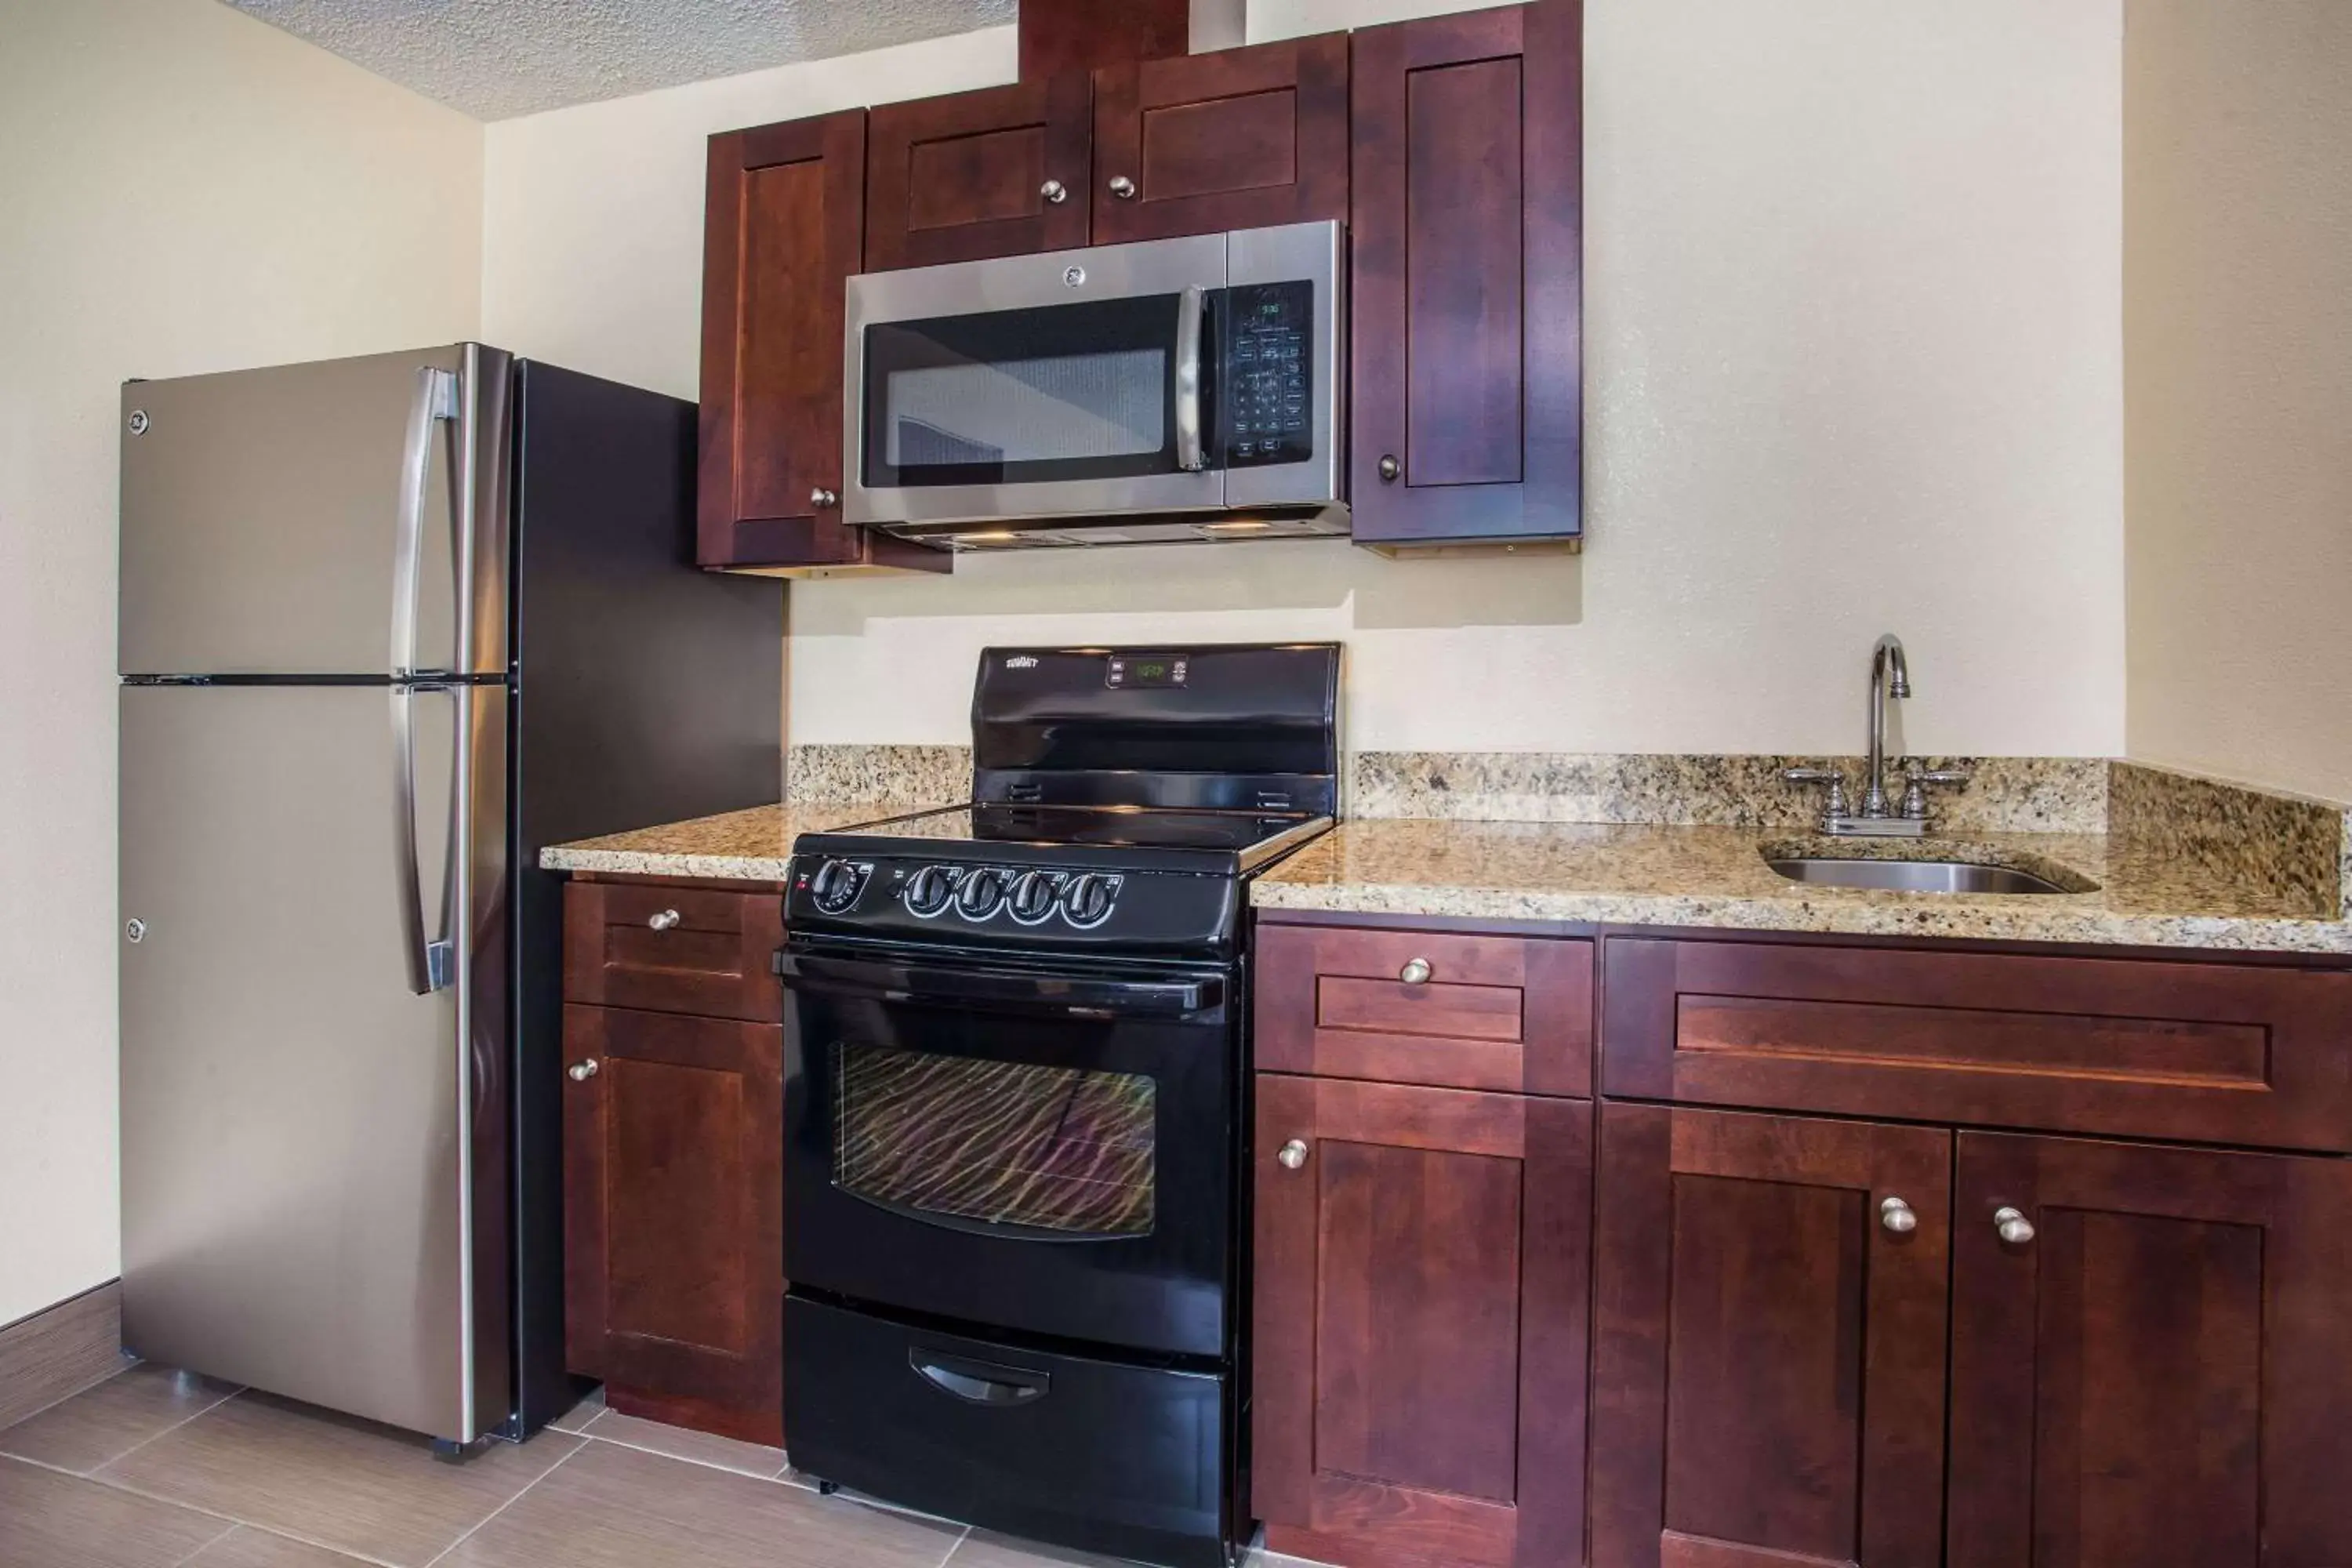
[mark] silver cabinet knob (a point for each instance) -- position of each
(1122, 187)
(1391, 469)
(1416, 972)
(666, 920)
(582, 1071)
(824, 499)
(1896, 1216)
(1293, 1155)
(136, 930)
(2014, 1227)
(1055, 192)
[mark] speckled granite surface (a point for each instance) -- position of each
(1625, 874)
(742, 846)
(2301, 846)
(2004, 794)
(902, 777)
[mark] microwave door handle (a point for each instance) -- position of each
(1191, 310)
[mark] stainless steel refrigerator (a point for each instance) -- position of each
(389, 625)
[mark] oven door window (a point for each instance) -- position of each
(1055, 393)
(1005, 1147)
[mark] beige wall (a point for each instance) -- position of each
(181, 189)
(2237, 335)
(1855, 357)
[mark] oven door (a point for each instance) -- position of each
(1063, 385)
(1048, 1150)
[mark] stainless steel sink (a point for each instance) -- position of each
(1911, 876)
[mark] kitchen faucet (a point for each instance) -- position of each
(1890, 678)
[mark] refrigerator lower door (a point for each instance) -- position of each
(344, 518)
(314, 1186)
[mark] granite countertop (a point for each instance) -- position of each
(752, 845)
(1705, 876)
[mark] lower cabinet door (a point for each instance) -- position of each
(2151, 1357)
(672, 1155)
(1769, 1341)
(1421, 1301)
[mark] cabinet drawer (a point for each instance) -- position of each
(622, 949)
(2218, 1052)
(1493, 1012)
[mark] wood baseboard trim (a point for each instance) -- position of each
(55, 1353)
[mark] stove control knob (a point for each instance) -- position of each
(928, 890)
(1033, 898)
(835, 886)
(981, 893)
(1086, 901)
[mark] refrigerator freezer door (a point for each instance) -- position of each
(312, 1165)
(263, 518)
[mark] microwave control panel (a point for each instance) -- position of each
(1269, 391)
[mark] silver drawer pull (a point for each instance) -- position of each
(666, 920)
(1416, 972)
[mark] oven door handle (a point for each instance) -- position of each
(895, 982)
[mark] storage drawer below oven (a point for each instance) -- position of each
(1094, 1455)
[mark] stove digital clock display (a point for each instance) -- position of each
(1147, 670)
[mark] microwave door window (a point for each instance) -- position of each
(1060, 392)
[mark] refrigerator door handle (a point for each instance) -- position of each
(430, 965)
(435, 402)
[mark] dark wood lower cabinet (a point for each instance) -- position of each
(2161, 1375)
(1421, 1337)
(673, 1150)
(1768, 1353)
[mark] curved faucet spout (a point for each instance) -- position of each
(1890, 676)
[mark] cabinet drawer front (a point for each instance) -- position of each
(622, 949)
(2223, 1052)
(1492, 1012)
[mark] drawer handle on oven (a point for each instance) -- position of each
(1416, 972)
(980, 1382)
(666, 920)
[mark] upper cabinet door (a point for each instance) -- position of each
(1240, 139)
(1001, 171)
(1422, 1275)
(1468, 231)
(2152, 1367)
(1769, 1341)
(783, 230)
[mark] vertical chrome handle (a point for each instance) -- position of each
(1191, 307)
(436, 402)
(428, 958)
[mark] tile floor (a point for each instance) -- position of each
(155, 1469)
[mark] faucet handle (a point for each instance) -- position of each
(1916, 781)
(1837, 805)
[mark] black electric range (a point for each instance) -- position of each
(1015, 1120)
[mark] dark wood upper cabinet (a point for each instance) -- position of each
(1420, 1338)
(2159, 1375)
(672, 1176)
(1245, 138)
(1467, 221)
(1001, 171)
(1803, 1422)
(784, 225)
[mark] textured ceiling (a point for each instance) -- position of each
(494, 59)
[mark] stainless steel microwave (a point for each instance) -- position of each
(1171, 389)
